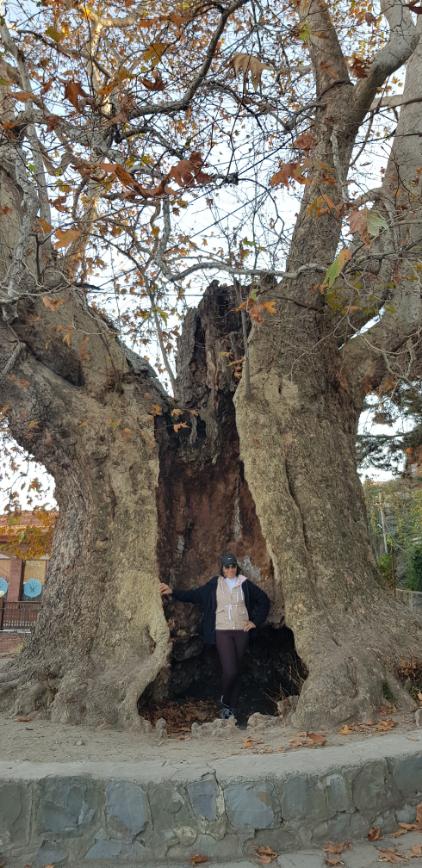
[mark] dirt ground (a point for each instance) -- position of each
(36, 740)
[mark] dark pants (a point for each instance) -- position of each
(231, 646)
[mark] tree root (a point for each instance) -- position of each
(352, 680)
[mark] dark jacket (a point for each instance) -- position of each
(256, 601)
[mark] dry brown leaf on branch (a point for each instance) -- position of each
(21, 95)
(393, 857)
(374, 833)
(189, 171)
(157, 84)
(265, 855)
(52, 303)
(288, 172)
(66, 237)
(305, 141)
(251, 65)
(72, 91)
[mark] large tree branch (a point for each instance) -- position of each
(388, 348)
(324, 47)
(403, 40)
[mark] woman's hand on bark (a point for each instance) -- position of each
(165, 590)
(249, 626)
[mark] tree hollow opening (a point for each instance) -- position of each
(272, 671)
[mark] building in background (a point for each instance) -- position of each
(25, 545)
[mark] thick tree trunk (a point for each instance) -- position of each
(297, 436)
(101, 636)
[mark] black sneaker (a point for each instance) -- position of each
(226, 713)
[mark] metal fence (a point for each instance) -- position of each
(412, 599)
(18, 616)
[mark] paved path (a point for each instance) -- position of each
(362, 854)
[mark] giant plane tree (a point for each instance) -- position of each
(271, 150)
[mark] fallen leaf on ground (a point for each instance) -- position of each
(419, 816)
(248, 743)
(308, 739)
(399, 833)
(415, 851)
(374, 833)
(381, 726)
(385, 725)
(266, 855)
(340, 847)
(23, 718)
(198, 859)
(333, 860)
(391, 856)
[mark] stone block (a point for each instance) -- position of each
(105, 849)
(15, 808)
(67, 806)
(372, 789)
(341, 827)
(303, 796)
(115, 851)
(250, 805)
(126, 808)
(203, 797)
(406, 773)
(406, 814)
(337, 793)
(170, 807)
(49, 854)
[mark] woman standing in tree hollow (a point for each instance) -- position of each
(232, 605)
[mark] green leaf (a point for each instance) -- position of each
(305, 32)
(336, 267)
(53, 33)
(375, 222)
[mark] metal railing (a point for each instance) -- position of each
(412, 599)
(19, 615)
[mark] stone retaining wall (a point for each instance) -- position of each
(101, 814)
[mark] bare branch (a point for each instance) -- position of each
(183, 102)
